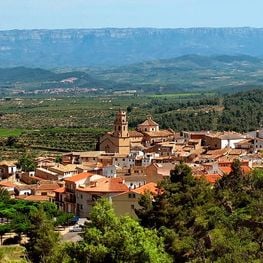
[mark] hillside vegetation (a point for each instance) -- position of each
(190, 73)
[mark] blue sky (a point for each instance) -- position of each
(27, 14)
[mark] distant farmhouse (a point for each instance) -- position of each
(122, 141)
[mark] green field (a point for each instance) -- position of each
(5, 132)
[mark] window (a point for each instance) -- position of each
(131, 195)
(132, 207)
(81, 196)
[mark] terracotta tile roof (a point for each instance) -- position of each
(226, 135)
(8, 163)
(60, 190)
(149, 122)
(161, 133)
(212, 178)
(36, 198)
(64, 168)
(150, 187)
(25, 187)
(106, 185)
(218, 152)
(47, 186)
(228, 161)
(135, 134)
(227, 170)
(7, 184)
(78, 177)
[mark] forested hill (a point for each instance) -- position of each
(111, 46)
(240, 112)
(22, 78)
(182, 74)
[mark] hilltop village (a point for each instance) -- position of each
(128, 164)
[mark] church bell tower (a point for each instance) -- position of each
(121, 125)
(117, 141)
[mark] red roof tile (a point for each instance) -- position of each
(7, 184)
(135, 134)
(150, 187)
(227, 170)
(111, 185)
(60, 190)
(47, 186)
(149, 122)
(37, 198)
(212, 178)
(78, 177)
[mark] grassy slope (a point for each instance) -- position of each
(12, 254)
(5, 132)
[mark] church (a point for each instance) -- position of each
(122, 141)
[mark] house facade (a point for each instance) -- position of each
(86, 196)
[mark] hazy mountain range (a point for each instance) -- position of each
(113, 47)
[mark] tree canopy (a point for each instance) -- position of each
(200, 223)
(109, 238)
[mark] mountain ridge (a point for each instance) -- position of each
(121, 46)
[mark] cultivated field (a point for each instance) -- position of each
(61, 124)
